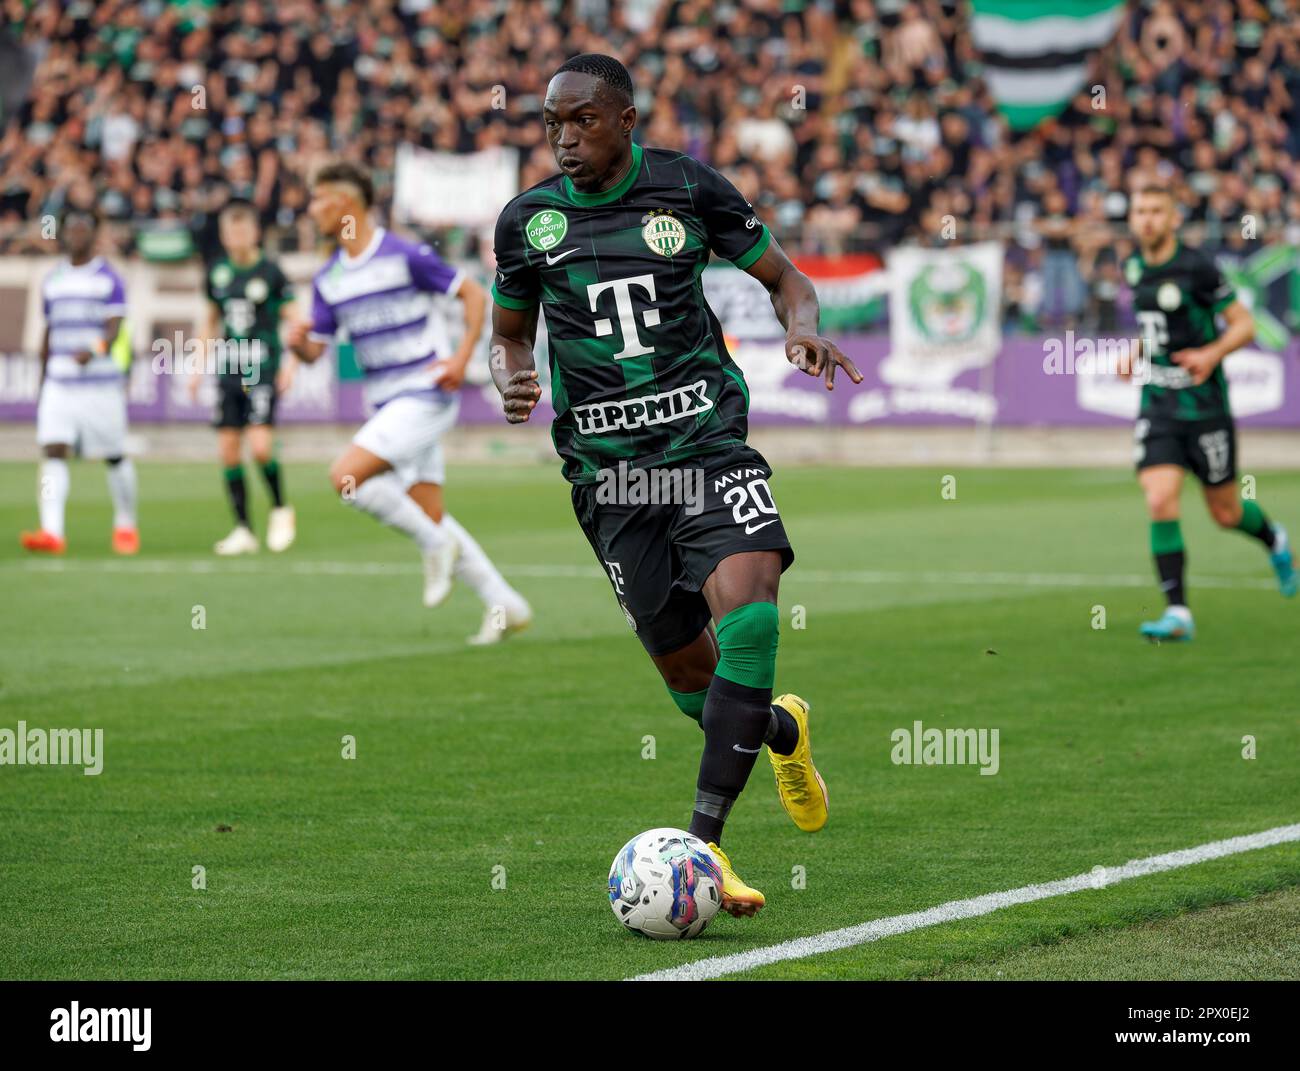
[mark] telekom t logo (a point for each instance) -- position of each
(622, 288)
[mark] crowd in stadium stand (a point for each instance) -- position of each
(851, 125)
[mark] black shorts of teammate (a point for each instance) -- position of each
(658, 554)
(1206, 448)
(239, 406)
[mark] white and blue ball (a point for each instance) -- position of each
(665, 884)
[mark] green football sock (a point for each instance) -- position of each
(1254, 522)
(690, 703)
(747, 639)
(1166, 537)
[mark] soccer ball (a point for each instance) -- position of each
(665, 884)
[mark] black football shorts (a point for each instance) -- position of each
(1206, 448)
(239, 406)
(660, 535)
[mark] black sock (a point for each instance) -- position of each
(782, 731)
(1170, 568)
(238, 495)
(735, 720)
(271, 474)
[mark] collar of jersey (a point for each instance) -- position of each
(365, 254)
(1178, 244)
(613, 194)
(91, 265)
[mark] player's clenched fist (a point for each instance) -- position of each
(521, 394)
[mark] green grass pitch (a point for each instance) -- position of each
(471, 835)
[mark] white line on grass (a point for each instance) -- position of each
(833, 940)
(578, 572)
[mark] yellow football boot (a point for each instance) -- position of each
(738, 899)
(802, 790)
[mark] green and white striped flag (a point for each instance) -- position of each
(1035, 52)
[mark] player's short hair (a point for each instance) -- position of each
(240, 207)
(344, 171)
(1156, 188)
(73, 212)
(604, 69)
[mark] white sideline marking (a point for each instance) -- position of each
(578, 572)
(833, 940)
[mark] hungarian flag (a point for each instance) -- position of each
(1035, 52)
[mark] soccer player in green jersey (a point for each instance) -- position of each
(249, 295)
(1185, 422)
(611, 251)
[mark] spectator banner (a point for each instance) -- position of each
(436, 189)
(1251, 280)
(944, 319)
(1035, 52)
(165, 241)
(851, 290)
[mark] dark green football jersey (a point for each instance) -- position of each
(639, 370)
(250, 299)
(1176, 304)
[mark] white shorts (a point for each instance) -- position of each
(406, 434)
(88, 416)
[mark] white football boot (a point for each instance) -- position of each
(240, 541)
(281, 529)
(501, 621)
(438, 566)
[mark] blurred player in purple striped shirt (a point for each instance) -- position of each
(379, 289)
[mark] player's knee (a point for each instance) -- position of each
(343, 481)
(1161, 505)
(1226, 514)
(747, 639)
(687, 679)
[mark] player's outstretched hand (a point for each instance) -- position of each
(818, 356)
(1200, 362)
(522, 393)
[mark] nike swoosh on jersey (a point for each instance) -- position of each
(750, 529)
(555, 260)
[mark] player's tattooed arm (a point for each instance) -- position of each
(514, 372)
(1203, 360)
(795, 301)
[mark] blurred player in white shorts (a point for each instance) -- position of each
(82, 407)
(379, 289)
